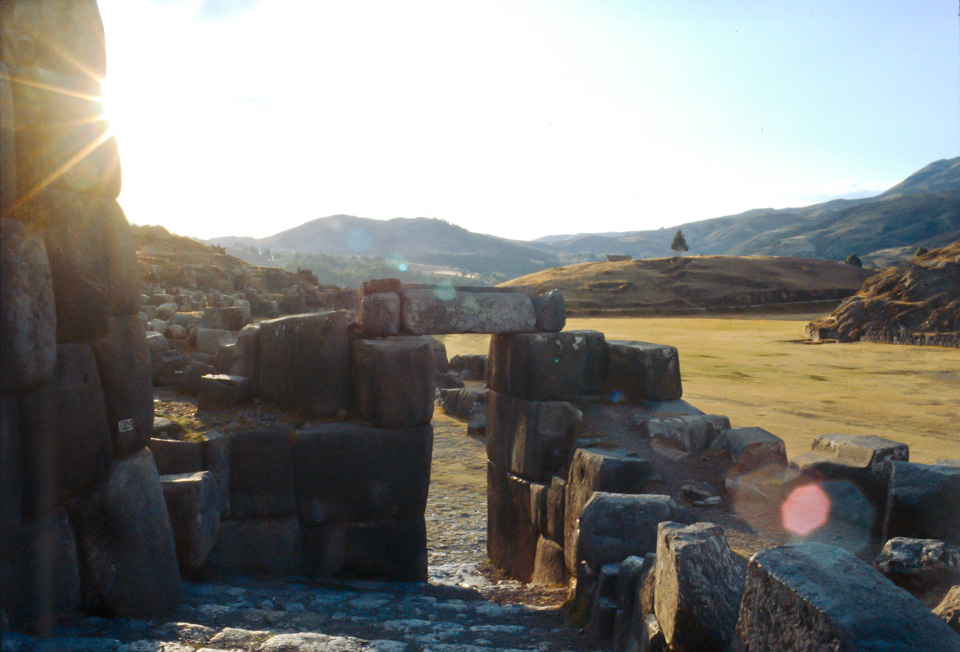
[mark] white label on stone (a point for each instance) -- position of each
(126, 425)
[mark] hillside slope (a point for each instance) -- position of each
(692, 284)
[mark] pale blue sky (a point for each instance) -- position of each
(521, 118)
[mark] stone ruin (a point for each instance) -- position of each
(599, 474)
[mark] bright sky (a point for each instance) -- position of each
(521, 118)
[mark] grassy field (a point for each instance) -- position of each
(759, 372)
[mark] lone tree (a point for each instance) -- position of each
(854, 259)
(679, 243)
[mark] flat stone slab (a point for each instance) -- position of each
(868, 451)
(450, 310)
(751, 448)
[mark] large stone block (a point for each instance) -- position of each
(616, 526)
(10, 476)
(923, 502)
(394, 381)
(266, 544)
(128, 562)
(592, 470)
(209, 340)
(445, 309)
(642, 371)
(813, 596)
(262, 474)
(689, 433)
(548, 566)
(346, 472)
(222, 391)
(379, 314)
(386, 550)
(511, 537)
(246, 356)
(551, 311)
(529, 438)
(216, 460)
(174, 457)
(66, 39)
(234, 318)
(27, 313)
(751, 448)
(40, 580)
(8, 149)
(123, 362)
(305, 361)
(123, 274)
(918, 564)
(699, 583)
(64, 433)
(546, 366)
(866, 451)
(193, 505)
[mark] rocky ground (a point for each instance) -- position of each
(466, 605)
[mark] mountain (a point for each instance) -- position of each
(922, 209)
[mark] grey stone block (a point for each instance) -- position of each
(918, 564)
(193, 505)
(546, 366)
(10, 475)
(691, 433)
(352, 473)
(234, 318)
(128, 562)
(188, 381)
(222, 391)
(511, 537)
(379, 315)
(216, 460)
(262, 474)
(555, 500)
(384, 550)
(751, 448)
(165, 366)
(550, 309)
(265, 544)
(173, 457)
(446, 309)
(865, 451)
(28, 342)
(548, 564)
(923, 502)
(210, 339)
(123, 275)
(642, 371)
(394, 381)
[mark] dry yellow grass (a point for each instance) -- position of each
(759, 373)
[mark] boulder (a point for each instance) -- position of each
(530, 439)
(305, 361)
(379, 315)
(813, 596)
(699, 583)
(165, 366)
(234, 318)
(128, 562)
(751, 448)
(692, 433)
(477, 420)
(923, 502)
(210, 339)
(459, 402)
(246, 356)
(866, 451)
(949, 608)
(629, 628)
(222, 391)
(546, 366)
(123, 362)
(10, 475)
(385, 550)
(642, 371)
(262, 474)
(193, 505)
(264, 544)
(173, 457)
(394, 381)
(167, 310)
(188, 381)
(591, 470)
(185, 320)
(616, 526)
(919, 563)
(352, 473)
(442, 365)
(550, 309)
(469, 366)
(449, 380)
(511, 537)
(446, 309)
(28, 338)
(548, 565)
(175, 332)
(69, 444)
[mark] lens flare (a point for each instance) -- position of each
(805, 510)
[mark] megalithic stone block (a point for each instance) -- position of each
(8, 150)
(379, 314)
(28, 328)
(221, 391)
(123, 362)
(394, 381)
(305, 361)
(10, 476)
(66, 39)
(751, 448)
(511, 536)
(266, 544)
(529, 438)
(262, 474)
(128, 561)
(386, 550)
(642, 371)
(690, 433)
(923, 502)
(548, 566)
(64, 433)
(546, 366)
(446, 309)
(123, 275)
(193, 505)
(811, 596)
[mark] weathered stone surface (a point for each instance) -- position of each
(165, 366)
(123, 361)
(68, 40)
(69, 445)
(670, 408)
(530, 439)
(268, 544)
(550, 308)
(591, 470)
(548, 566)
(174, 457)
(262, 474)
(450, 310)
(210, 339)
(193, 505)
(40, 580)
(692, 433)
(380, 286)
(128, 562)
(469, 366)
(123, 277)
(923, 502)
(10, 476)
(867, 451)
(605, 604)
(8, 150)
(390, 549)
(546, 366)
(642, 371)
(699, 582)
(615, 526)
(27, 313)
(233, 318)
(949, 609)
(305, 361)
(442, 365)
(310, 641)
(918, 563)
(221, 391)
(812, 596)
(347, 472)
(751, 448)
(511, 537)
(555, 499)
(630, 632)
(188, 381)
(216, 460)
(459, 402)
(394, 381)
(379, 315)
(246, 358)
